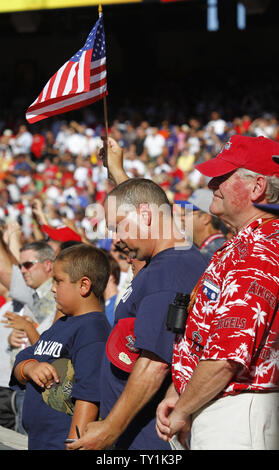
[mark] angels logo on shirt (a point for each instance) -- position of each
(196, 348)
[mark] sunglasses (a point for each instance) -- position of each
(28, 264)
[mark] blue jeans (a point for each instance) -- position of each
(19, 403)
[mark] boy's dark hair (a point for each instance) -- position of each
(86, 260)
(68, 243)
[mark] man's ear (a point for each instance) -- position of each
(145, 213)
(259, 189)
(206, 218)
(48, 265)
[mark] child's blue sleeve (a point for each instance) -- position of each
(87, 366)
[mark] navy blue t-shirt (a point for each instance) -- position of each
(148, 298)
(81, 339)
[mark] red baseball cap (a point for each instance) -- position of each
(252, 153)
(120, 345)
(61, 234)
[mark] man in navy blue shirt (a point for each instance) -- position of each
(130, 390)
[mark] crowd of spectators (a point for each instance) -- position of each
(60, 164)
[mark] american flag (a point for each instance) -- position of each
(82, 80)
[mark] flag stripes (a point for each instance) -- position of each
(79, 82)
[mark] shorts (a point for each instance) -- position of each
(248, 421)
(8, 409)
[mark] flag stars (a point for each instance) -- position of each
(95, 41)
(61, 94)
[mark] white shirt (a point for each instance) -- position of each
(22, 144)
(99, 177)
(80, 175)
(76, 143)
(91, 146)
(219, 126)
(154, 145)
(137, 165)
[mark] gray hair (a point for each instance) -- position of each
(43, 250)
(272, 190)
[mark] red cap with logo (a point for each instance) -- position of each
(252, 153)
(120, 347)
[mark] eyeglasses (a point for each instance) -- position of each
(28, 264)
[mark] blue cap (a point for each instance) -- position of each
(186, 203)
(104, 243)
(200, 199)
(273, 208)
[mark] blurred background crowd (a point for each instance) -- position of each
(59, 162)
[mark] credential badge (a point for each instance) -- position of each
(211, 290)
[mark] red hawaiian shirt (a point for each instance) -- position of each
(234, 308)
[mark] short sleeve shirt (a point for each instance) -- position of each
(81, 339)
(234, 308)
(19, 290)
(148, 298)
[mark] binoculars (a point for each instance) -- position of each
(177, 313)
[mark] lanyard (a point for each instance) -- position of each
(215, 236)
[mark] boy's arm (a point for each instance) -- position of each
(42, 373)
(84, 413)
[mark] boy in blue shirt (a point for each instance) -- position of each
(80, 276)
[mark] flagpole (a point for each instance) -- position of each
(100, 9)
(105, 97)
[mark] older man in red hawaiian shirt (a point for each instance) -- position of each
(225, 366)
